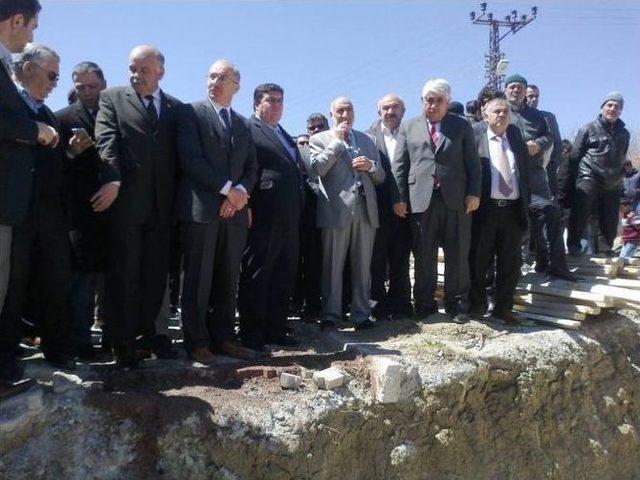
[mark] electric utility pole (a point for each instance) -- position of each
(495, 64)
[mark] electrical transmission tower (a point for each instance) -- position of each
(495, 64)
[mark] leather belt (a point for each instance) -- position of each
(503, 203)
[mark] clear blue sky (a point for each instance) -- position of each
(316, 50)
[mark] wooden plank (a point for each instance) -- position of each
(609, 271)
(553, 312)
(546, 301)
(569, 293)
(550, 298)
(619, 282)
(558, 322)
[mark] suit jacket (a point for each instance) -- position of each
(331, 161)
(85, 170)
(207, 163)
(140, 155)
(455, 162)
(519, 149)
(18, 140)
(387, 190)
(279, 196)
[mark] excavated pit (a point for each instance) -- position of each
(490, 403)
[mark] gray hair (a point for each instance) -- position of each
(338, 100)
(390, 96)
(229, 65)
(87, 67)
(33, 52)
(439, 87)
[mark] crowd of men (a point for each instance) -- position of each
(127, 194)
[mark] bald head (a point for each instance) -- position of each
(391, 110)
(146, 69)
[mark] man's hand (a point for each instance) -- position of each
(47, 136)
(80, 142)
(362, 164)
(400, 209)
(227, 210)
(533, 148)
(471, 203)
(237, 197)
(341, 131)
(105, 197)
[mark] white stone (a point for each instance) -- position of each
(290, 381)
(65, 381)
(329, 378)
(306, 374)
(391, 380)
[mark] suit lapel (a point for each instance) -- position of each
(212, 119)
(85, 118)
(268, 132)
(382, 146)
(136, 103)
(443, 135)
(424, 126)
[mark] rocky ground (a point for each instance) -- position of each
(421, 400)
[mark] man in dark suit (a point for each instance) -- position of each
(392, 247)
(348, 166)
(438, 174)
(502, 218)
(40, 248)
(270, 261)
(219, 170)
(19, 136)
(89, 229)
(135, 137)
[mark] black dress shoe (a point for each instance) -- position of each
(283, 340)
(563, 275)
(327, 325)
(477, 311)
(460, 318)
(506, 316)
(86, 353)
(364, 325)
(126, 356)
(541, 267)
(422, 312)
(163, 348)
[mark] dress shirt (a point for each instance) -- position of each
(156, 101)
(390, 140)
(495, 145)
(227, 186)
(354, 151)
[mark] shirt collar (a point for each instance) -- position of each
(492, 134)
(387, 131)
(219, 107)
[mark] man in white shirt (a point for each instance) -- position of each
(502, 218)
(393, 239)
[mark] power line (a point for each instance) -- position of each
(494, 60)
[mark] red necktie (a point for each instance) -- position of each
(433, 134)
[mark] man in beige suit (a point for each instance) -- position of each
(348, 166)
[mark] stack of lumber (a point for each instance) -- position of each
(607, 283)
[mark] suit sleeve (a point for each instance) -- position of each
(108, 140)
(379, 175)
(324, 157)
(544, 138)
(15, 128)
(400, 165)
(471, 162)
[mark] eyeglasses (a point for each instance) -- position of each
(222, 77)
(51, 75)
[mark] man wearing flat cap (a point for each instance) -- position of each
(598, 155)
(542, 210)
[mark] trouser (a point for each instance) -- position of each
(357, 238)
(628, 250)
(547, 221)
(5, 260)
(496, 233)
(607, 203)
(83, 302)
(391, 252)
(269, 268)
(441, 226)
(212, 257)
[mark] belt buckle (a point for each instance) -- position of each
(502, 203)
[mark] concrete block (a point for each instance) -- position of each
(329, 378)
(290, 381)
(306, 374)
(65, 381)
(391, 381)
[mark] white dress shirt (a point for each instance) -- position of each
(217, 107)
(495, 146)
(390, 140)
(156, 101)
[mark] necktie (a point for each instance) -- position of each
(433, 134)
(224, 114)
(151, 109)
(504, 169)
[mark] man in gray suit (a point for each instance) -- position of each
(438, 174)
(348, 165)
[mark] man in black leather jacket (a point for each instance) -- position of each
(599, 152)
